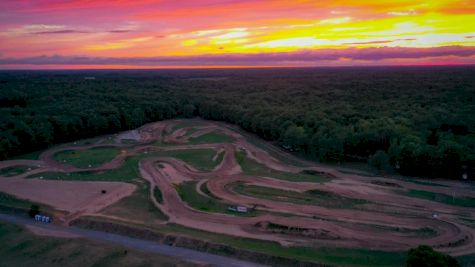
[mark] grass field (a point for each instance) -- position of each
(414, 181)
(198, 158)
(467, 260)
(87, 158)
(11, 201)
(187, 124)
(188, 194)
(15, 170)
(441, 198)
(31, 156)
(158, 194)
(137, 206)
(210, 138)
(22, 248)
(201, 159)
(268, 147)
(252, 167)
(311, 197)
(335, 256)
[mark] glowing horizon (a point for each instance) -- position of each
(157, 34)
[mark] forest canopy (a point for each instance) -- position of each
(418, 121)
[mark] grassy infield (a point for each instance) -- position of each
(85, 158)
(140, 207)
(14, 170)
(311, 197)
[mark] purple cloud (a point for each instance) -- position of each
(59, 32)
(76, 31)
(119, 31)
(305, 57)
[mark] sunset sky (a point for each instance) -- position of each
(227, 33)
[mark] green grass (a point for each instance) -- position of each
(204, 189)
(198, 158)
(252, 167)
(128, 141)
(8, 200)
(466, 260)
(22, 248)
(137, 206)
(157, 194)
(201, 159)
(190, 131)
(95, 140)
(467, 221)
(270, 148)
(15, 170)
(441, 198)
(220, 157)
(91, 157)
(187, 124)
(189, 195)
(311, 197)
(422, 232)
(30, 156)
(424, 183)
(326, 255)
(210, 138)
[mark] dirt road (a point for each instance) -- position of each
(128, 242)
(389, 220)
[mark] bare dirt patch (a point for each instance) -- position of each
(71, 196)
(41, 231)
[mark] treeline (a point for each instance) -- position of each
(418, 121)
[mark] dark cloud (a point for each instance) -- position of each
(301, 57)
(76, 31)
(119, 31)
(59, 32)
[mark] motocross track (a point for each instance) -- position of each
(388, 221)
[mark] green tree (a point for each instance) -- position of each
(189, 111)
(295, 137)
(34, 210)
(379, 160)
(425, 256)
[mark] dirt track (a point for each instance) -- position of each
(390, 221)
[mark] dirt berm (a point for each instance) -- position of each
(191, 243)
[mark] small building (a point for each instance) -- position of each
(42, 218)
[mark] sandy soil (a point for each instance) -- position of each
(70, 196)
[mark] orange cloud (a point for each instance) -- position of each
(165, 28)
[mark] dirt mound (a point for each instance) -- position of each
(297, 231)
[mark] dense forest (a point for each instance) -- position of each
(419, 121)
